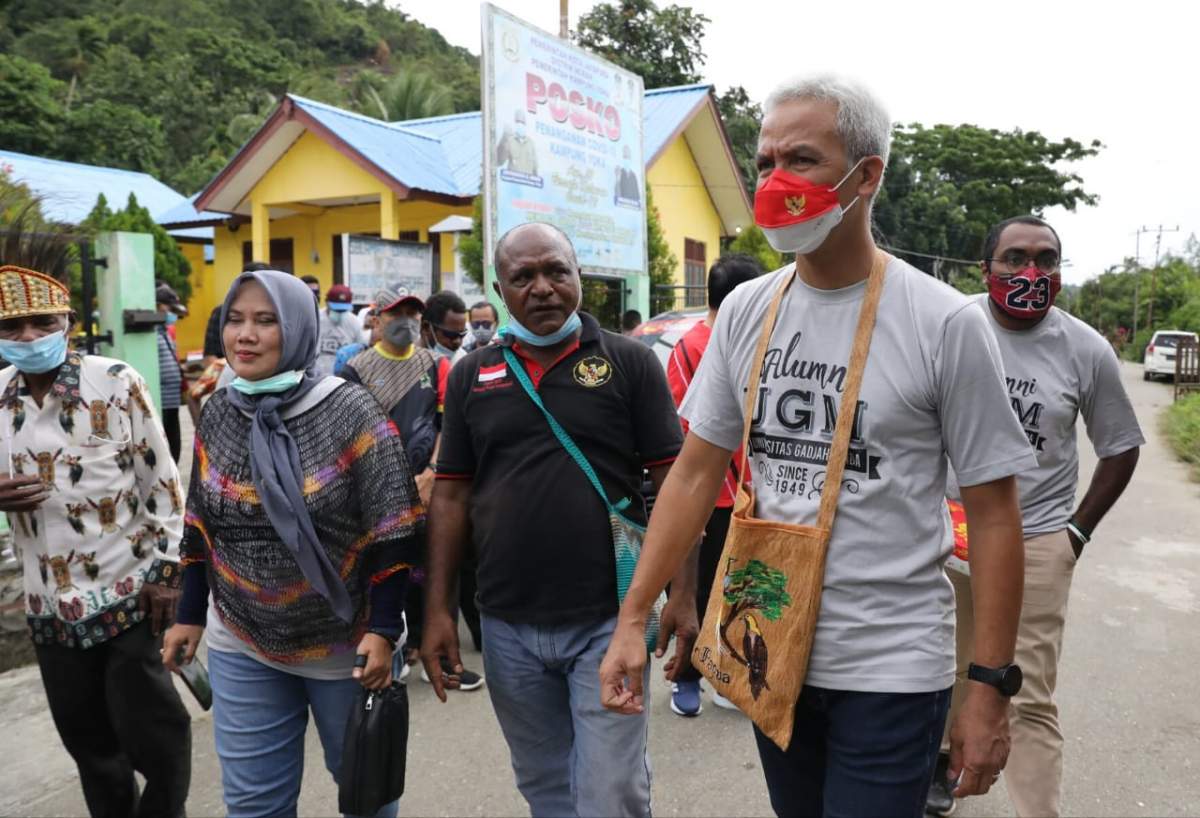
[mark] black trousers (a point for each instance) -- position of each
(170, 422)
(117, 711)
(711, 547)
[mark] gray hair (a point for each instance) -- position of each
(862, 122)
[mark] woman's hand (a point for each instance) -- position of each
(177, 637)
(377, 674)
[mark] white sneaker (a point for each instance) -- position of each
(405, 669)
(721, 701)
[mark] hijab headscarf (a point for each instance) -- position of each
(274, 458)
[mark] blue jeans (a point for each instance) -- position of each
(856, 754)
(259, 718)
(571, 757)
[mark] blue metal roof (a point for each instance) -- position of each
(416, 160)
(186, 213)
(69, 190)
(462, 143)
(664, 110)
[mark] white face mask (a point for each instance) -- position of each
(806, 236)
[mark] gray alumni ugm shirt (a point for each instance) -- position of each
(1057, 372)
(933, 388)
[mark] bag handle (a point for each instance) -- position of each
(559, 432)
(840, 445)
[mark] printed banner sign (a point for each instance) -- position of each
(369, 264)
(563, 144)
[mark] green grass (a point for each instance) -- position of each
(1182, 426)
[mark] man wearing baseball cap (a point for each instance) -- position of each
(339, 326)
(409, 382)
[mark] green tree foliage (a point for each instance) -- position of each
(470, 246)
(109, 133)
(753, 242)
(176, 86)
(663, 45)
(757, 586)
(743, 119)
(1107, 301)
(410, 93)
(946, 185)
(30, 111)
(662, 262)
(170, 265)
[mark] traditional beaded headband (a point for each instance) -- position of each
(26, 292)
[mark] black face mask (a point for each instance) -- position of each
(401, 332)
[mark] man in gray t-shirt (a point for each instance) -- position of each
(878, 683)
(1057, 370)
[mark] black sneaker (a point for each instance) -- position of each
(467, 680)
(940, 800)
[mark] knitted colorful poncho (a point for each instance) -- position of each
(363, 503)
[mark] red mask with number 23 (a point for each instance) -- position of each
(1026, 294)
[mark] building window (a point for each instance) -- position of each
(280, 252)
(695, 267)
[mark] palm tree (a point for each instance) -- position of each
(408, 94)
(87, 43)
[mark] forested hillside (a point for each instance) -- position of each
(174, 87)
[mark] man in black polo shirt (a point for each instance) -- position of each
(547, 576)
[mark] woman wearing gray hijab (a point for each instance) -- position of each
(302, 520)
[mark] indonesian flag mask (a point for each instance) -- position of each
(796, 215)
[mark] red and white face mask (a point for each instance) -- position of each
(796, 215)
(1028, 293)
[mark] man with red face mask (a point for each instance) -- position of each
(860, 736)
(1057, 369)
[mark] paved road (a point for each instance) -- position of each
(1127, 692)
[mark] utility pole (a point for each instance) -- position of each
(562, 19)
(1137, 276)
(1154, 272)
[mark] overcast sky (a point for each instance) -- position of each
(1125, 74)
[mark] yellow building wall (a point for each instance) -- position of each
(312, 169)
(684, 207)
(189, 331)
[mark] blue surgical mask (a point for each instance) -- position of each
(36, 357)
(442, 351)
(171, 318)
(527, 336)
(280, 382)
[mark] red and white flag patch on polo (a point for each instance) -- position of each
(492, 373)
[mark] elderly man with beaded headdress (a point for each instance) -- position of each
(94, 499)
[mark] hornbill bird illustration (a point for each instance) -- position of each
(754, 648)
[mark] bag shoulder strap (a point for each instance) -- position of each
(840, 445)
(559, 432)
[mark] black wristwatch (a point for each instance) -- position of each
(1006, 679)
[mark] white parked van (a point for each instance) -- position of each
(1160, 354)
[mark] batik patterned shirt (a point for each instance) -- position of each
(114, 516)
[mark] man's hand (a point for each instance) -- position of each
(679, 618)
(623, 667)
(180, 637)
(377, 674)
(440, 641)
(424, 482)
(22, 493)
(979, 740)
(158, 602)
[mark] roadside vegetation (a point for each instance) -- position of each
(1181, 422)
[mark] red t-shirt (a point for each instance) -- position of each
(681, 368)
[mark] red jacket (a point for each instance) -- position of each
(681, 367)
